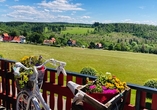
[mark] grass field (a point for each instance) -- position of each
(130, 67)
(77, 30)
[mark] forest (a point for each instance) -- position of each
(111, 36)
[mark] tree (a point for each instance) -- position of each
(92, 45)
(36, 38)
(14, 33)
(51, 36)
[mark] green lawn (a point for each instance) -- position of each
(77, 30)
(130, 67)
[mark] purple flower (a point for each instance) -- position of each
(109, 91)
(92, 87)
(104, 88)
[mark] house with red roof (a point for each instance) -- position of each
(6, 37)
(71, 42)
(51, 41)
(19, 39)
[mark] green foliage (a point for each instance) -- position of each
(1, 56)
(36, 37)
(21, 80)
(89, 71)
(151, 83)
(113, 36)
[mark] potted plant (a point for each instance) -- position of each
(104, 88)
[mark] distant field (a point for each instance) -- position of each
(130, 67)
(77, 30)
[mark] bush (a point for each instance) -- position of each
(89, 71)
(1, 56)
(151, 83)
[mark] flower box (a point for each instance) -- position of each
(101, 101)
(107, 91)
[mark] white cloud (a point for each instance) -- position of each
(56, 11)
(28, 13)
(21, 12)
(62, 5)
(149, 22)
(86, 17)
(44, 11)
(2, 0)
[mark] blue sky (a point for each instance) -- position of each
(80, 11)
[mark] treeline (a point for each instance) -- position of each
(112, 36)
(127, 37)
(139, 30)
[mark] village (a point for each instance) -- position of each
(5, 37)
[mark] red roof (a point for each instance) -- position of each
(53, 40)
(5, 34)
(17, 39)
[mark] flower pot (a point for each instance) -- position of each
(101, 97)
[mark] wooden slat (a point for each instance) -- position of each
(2, 65)
(52, 100)
(44, 95)
(68, 103)
(69, 78)
(137, 102)
(143, 100)
(60, 102)
(79, 80)
(13, 88)
(45, 76)
(52, 76)
(60, 79)
(154, 102)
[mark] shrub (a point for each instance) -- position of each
(1, 56)
(151, 83)
(89, 71)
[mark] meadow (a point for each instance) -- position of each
(131, 67)
(77, 30)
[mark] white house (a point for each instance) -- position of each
(1, 38)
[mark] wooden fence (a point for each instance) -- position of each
(55, 86)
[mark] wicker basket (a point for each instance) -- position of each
(31, 78)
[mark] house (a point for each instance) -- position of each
(16, 39)
(19, 39)
(22, 39)
(48, 42)
(6, 37)
(98, 45)
(1, 38)
(71, 42)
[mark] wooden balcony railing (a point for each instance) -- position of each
(57, 94)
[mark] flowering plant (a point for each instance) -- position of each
(29, 61)
(107, 84)
(23, 78)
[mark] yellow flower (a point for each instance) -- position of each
(27, 61)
